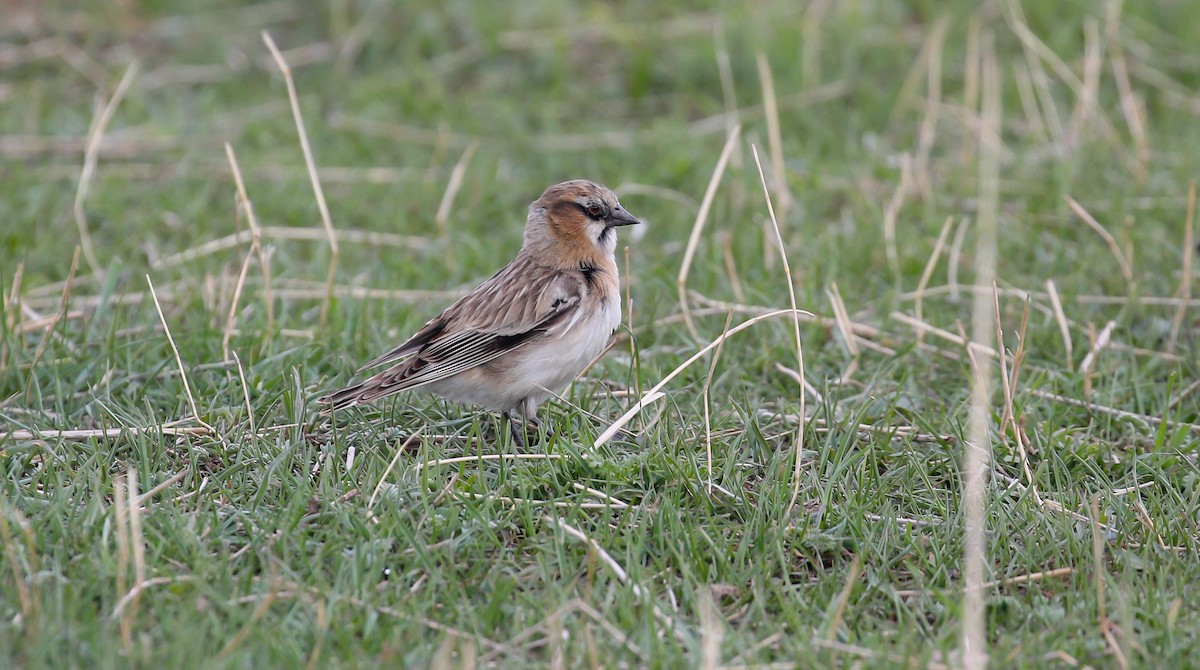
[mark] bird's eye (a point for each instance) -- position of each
(595, 210)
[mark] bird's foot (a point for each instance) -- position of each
(525, 432)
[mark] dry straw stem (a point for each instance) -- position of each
(883, 659)
(1037, 51)
(1130, 106)
(58, 315)
(617, 570)
(480, 457)
(287, 233)
(560, 504)
(26, 586)
(1184, 293)
(787, 273)
(844, 598)
(1016, 580)
(1106, 625)
(1064, 326)
(90, 156)
(1083, 299)
(938, 246)
(956, 245)
(1111, 241)
(391, 465)
(1112, 411)
(442, 218)
(712, 629)
(187, 387)
(978, 447)
(811, 42)
(775, 143)
(246, 394)
(842, 317)
(933, 105)
(120, 509)
(712, 367)
(655, 393)
(698, 226)
(892, 211)
(312, 170)
(1091, 79)
(1099, 344)
(256, 249)
(102, 433)
(728, 90)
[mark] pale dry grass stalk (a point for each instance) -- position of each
(728, 90)
(1109, 240)
(1107, 626)
(58, 315)
(933, 105)
(1184, 293)
(927, 273)
(289, 233)
(712, 629)
(23, 578)
(844, 598)
(1100, 343)
(791, 287)
(620, 573)
(735, 282)
(615, 502)
(90, 157)
(1112, 411)
(512, 501)
(1041, 82)
(712, 367)
(1064, 326)
(256, 249)
(187, 387)
(392, 465)
(1130, 106)
(246, 393)
(842, 317)
(1039, 51)
(892, 212)
(952, 263)
(970, 96)
(120, 511)
(442, 218)
(775, 143)
(978, 447)
(1091, 79)
(482, 457)
(655, 393)
(810, 59)
(102, 433)
(311, 164)
(1029, 104)
(698, 227)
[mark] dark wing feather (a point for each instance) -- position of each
(504, 313)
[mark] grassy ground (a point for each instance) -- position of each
(270, 537)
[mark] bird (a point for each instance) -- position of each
(525, 333)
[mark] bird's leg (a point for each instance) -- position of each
(529, 410)
(515, 429)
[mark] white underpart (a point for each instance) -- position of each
(542, 367)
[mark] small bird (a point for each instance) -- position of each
(526, 332)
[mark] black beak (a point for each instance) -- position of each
(620, 217)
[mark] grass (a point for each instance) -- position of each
(251, 531)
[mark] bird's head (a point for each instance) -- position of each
(575, 221)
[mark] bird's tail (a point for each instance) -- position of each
(344, 398)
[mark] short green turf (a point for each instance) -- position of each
(286, 539)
